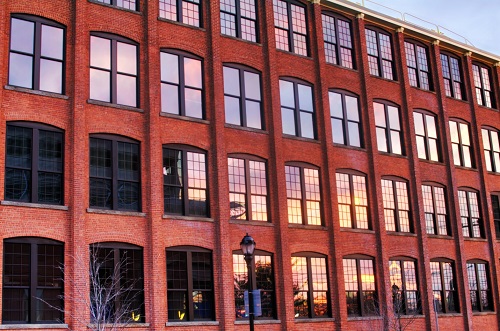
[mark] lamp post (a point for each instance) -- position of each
(248, 246)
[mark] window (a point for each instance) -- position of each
(114, 70)
(453, 86)
(303, 195)
(436, 218)
(461, 144)
(115, 180)
(116, 271)
(290, 26)
(379, 48)
(360, 291)
(297, 109)
(185, 181)
(190, 293)
(34, 163)
(483, 84)
(444, 286)
(418, 65)
(337, 35)
(242, 97)
(37, 53)
(262, 278)
(32, 269)
(495, 202)
(396, 205)
(480, 293)
(389, 132)
(238, 18)
(127, 4)
(184, 11)
(247, 189)
(405, 296)
(346, 121)
(181, 85)
(427, 136)
(469, 213)
(352, 200)
(491, 149)
(310, 286)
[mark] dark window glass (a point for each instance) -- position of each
(303, 195)
(484, 86)
(113, 70)
(360, 291)
(491, 147)
(114, 174)
(418, 65)
(495, 202)
(242, 98)
(290, 26)
(262, 277)
(33, 281)
(380, 59)
(436, 218)
(310, 286)
(181, 85)
(185, 182)
(190, 294)
(396, 206)
(443, 287)
(238, 18)
(480, 293)
(461, 144)
(405, 295)
(184, 11)
(247, 189)
(388, 126)
(297, 110)
(452, 77)
(337, 36)
(34, 163)
(346, 121)
(127, 4)
(469, 213)
(116, 271)
(426, 136)
(352, 201)
(37, 54)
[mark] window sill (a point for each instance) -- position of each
(186, 118)
(401, 234)
(386, 79)
(257, 321)
(245, 128)
(121, 326)
(364, 318)
(342, 67)
(367, 231)
(32, 205)
(195, 323)
(422, 89)
(483, 313)
(115, 212)
(114, 105)
(487, 108)
(440, 315)
(115, 7)
(37, 92)
(32, 326)
(181, 24)
(439, 236)
(314, 320)
(465, 168)
(493, 173)
(240, 39)
(452, 98)
(293, 53)
(439, 163)
(256, 223)
(355, 148)
(309, 140)
(401, 156)
(307, 227)
(188, 218)
(475, 239)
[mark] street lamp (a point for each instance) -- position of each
(248, 246)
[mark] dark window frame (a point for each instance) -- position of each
(297, 110)
(470, 226)
(35, 157)
(189, 250)
(456, 87)
(33, 301)
(461, 144)
(184, 149)
(242, 97)
(402, 309)
(493, 159)
(345, 120)
(238, 21)
(115, 4)
(388, 129)
(36, 56)
(360, 292)
(396, 209)
(495, 206)
(311, 290)
(487, 95)
(453, 293)
(435, 214)
(426, 136)
(113, 71)
(114, 140)
(340, 57)
(379, 57)
(419, 68)
(353, 205)
(483, 297)
(290, 30)
(179, 13)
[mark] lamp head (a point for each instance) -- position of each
(247, 245)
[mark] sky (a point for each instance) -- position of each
(476, 20)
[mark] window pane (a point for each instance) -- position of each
(192, 73)
(419, 124)
(232, 110)
(396, 142)
(169, 68)
(288, 121)
(21, 70)
(126, 58)
(126, 90)
(354, 138)
(381, 140)
(253, 115)
(393, 113)
(51, 76)
(306, 125)
(100, 85)
(193, 103)
(231, 81)
(22, 36)
(431, 126)
(351, 104)
(379, 114)
(100, 52)
(252, 85)
(52, 42)
(337, 131)
(335, 104)
(305, 97)
(464, 134)
(287, 94)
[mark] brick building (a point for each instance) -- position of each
(361, 153)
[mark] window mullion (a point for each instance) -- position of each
(248, 193)
(337, 40)
(360, 288)
(388, 129)
(345, 122)
(189, 294)
(478, 287)
(396, 209)
(303, 200)
(114, 71)
(182, 87)
(33, 301)
(114, 174)
(291, 46)
(239, 33)
(37, 50)
(354, 219)
(35, 148)
(117, 264)
(184, 183)
(310, 299)
(297, 109)
(243, 112)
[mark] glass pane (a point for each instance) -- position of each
(192, 72)
(253, 115)
(126, 58)
(431, 126)
(335, 104)
(22, 36)
(486, 139)
(393, 113)
(422, 154)
(100, 52)
(100, 85)
(467, 157)
(379, 114)
(337, 131)
(351, 105)
(126, 90)
(51, 76)
(306, 125)
(419, 124)
(21, 70)
(305, 97)
(464, 134)
(454, 132)
(252, 85)
(381, 140)
(354, 139)
(169, 68)
(287, 94)
(169, 99)
(433, 150)
(288, 121)
(396, 142)
(193, 103)
(232, 110)
(231, 81)
(52, 42)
